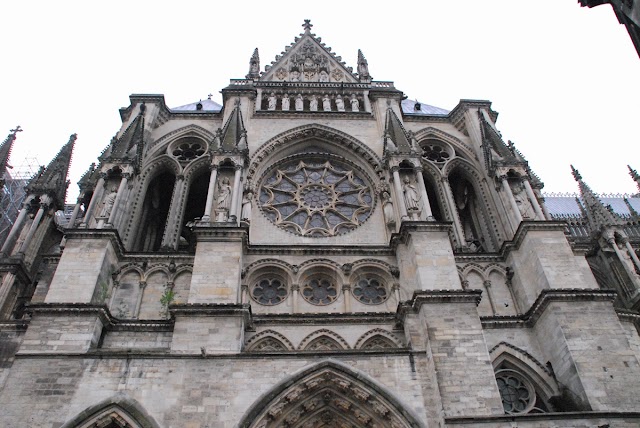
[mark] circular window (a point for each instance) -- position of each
(435, 152)
(188, 150)
(269, 292)
(319, 291)
(370, 291)
(316, 197)
(517, 395)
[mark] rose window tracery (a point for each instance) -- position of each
(316, 197)
(370, 291)
(517, 395)
(269, 292)
(319, 291)
(188, 150)
(435, 152)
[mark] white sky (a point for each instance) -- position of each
(563, 78)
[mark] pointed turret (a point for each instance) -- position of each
(634, 174)
(396, 132)
(234, 135)
(130, 145)
(254, 66)
(5, 152)
(363, 68)
(598, 215)
(52, 180)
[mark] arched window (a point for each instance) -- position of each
(194, 209)
(155, 210)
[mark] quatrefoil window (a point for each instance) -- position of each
(435, 152)
(518, 396)
(370, 291)
(320, 291)
(269, 292)
(316, 197)
(188, 150)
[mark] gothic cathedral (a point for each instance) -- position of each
(319, 251)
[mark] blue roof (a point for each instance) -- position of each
(409, 107)
(567, 205)
(207, 105)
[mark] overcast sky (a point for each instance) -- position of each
(563, 78)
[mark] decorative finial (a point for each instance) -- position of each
(16, 130)
(307, 26)
(633, 173)
(209, 96)
(363, 67)
(254, 65)
(576, 174)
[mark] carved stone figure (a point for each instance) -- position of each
(223, 202)
(246, 207)
(339, 103)
(313, 103)
(387, 208)
(272, 101)
(109, 201)
(286, 101)
(326, 103)
(324, 76)
(299, 103)
(355, 104)
(411, 199)
(294, 76)
(526, 210)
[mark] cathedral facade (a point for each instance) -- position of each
(317, 251)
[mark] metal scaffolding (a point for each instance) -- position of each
(13, 193)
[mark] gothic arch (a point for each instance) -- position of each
(121, 407)
(379, 333)
(328, 266)
(255, 269)
(340, 142)
(437, 134)
(253, 343)
(186, 131)
(332, 392)
(323, 333)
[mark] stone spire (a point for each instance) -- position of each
(52, 180)
(363, 68)
(254, 66)
(634, 174)
(598, 215)
(133, 136)
(234, 135)
(5, 152)
(307, 26)
(395, 131)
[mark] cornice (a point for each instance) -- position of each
(14, 325)
(492, 420)
(326, 318)
(629, 316)
(524, 228)
(408, 227)
(221, 232)
(109, 234)
(16, 266)
(213, 310)
(545, 298)
(320, 250)
(293, 114)
(423, 297)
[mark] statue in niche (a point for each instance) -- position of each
(520, 195)
(313, 103)
(324, 76)
(109, 201)
(465, 203)
(326, 103)
(355, 104)
(411, 199)
(272, 101)
(285, 102)
(246, 207)
(294, 76)
(223, 202)
(387, 209)
(299, 103)
(339, 103)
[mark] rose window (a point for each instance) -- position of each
(370, 291)
(517, 395)
(435, 153)
(319, 291)
(316, 198)
(188, 151)
(269, 292)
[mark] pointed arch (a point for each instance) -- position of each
(125, 411)
(329, 336)
(268, 338)
(190, 130)
(437, 134)
(378, 338)
(329, 390)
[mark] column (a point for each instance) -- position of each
(399, 195)
(259, 99)
(533, 199)
(172, 228)
(487, 286)
(633, 276)
(76, 211)
(426, 206)
(141, 286)
(295, 291)
(5, 290)
(346, 292)
(632, 253)
(15, 229)
(206, 217)
(233, 208)
(244, 292)
(512, 200)
(457, 225)
(396, 292)
(34, 225)
(119, 196)
(97, 194)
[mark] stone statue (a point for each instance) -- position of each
(109, 201)
(355, 104)
(246, 207)
(324, 76)
(526, 210)
(313, 103)
(326, 103)
(272, 101)
(339, 103)
(411, 199)
(299, 103)
(223, 202)
(285, 102)
(295, 76)
(387, 209)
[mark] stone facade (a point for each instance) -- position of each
(318, 251)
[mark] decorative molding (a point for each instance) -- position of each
(320, 333)
(378, 332)
(266, 334)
